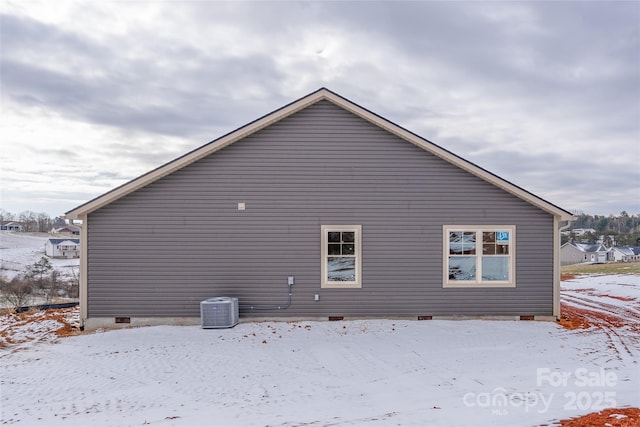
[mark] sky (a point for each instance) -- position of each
(544, 94)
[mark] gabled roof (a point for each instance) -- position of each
(625, 250)
(588, 247)
(321, 94)
(58, 241)
(69, 227)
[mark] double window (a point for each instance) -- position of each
(479, 256)
(341, 256)
(474, 256)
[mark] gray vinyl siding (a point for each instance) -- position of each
(160, 250)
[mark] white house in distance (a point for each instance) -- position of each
(62, 248)
(623, 254)
(574, 253)
(68, 229)
(579, 231)
(10, 226)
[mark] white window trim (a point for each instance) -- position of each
(324, 283)
(478, 283)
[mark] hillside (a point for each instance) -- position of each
(17, 250)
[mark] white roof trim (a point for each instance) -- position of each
(312, 98)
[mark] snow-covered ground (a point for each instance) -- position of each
(18, 250)
(371, 373)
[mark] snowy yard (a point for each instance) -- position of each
(371, 373)
(17, 250)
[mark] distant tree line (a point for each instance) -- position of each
(33, 221)
(620, 230)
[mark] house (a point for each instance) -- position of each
(579, 231)
(62, 248)
(68, 229)
(367, 219)
(574, 253)
(623, 254)
(10, 226)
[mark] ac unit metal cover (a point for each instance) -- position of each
(219, 312)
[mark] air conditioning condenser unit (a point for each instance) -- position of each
(219, 312)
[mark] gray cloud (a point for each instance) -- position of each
(548, 85)
(578, 182)
(134, 94)
(579, 60)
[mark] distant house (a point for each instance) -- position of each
(624, 254)
(62, 248)
(68, 229)
(579, 231)
(574, 253)
(326, 205)
(10, 226)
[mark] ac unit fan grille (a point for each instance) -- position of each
(220, 312)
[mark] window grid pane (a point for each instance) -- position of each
(491, 264)
(489, 237)
(333, 249)
(488, 249)
(462, 268)
(334, 236)
(348, 236)
(341, 269)
(492, 246)
(495, 268)
(455, 243)
(469, 243)
(341, 243)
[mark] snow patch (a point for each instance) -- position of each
(370, 372)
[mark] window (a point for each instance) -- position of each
(479, 256)
(341, 256)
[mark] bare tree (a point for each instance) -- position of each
(29, 221)
(44, 222)
(72, 286)
(6, 216)
(75, 276)
(16, 292)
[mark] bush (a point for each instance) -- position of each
(39, 279)
(17, 291)
(70, 290)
